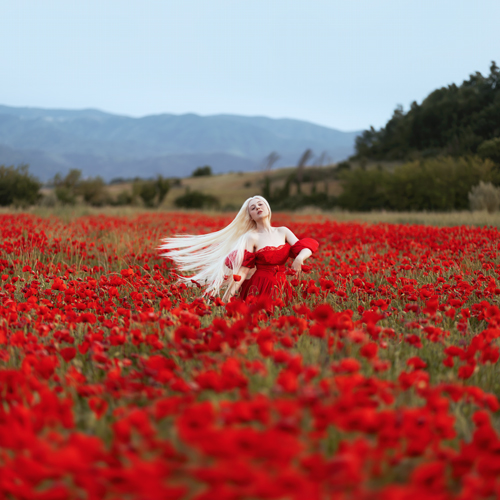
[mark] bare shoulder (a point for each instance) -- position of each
(288, 234)
(251, 240)
(284, 230)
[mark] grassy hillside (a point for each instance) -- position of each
(233, 188)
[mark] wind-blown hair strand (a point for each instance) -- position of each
(213, 258)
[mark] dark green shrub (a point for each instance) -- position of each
(364, 189)
(162, 188)
(18, 186)
(66, 188)
(65, 195)
(342, 166)
(151, 192)
(490, 149)
(148, 194)
(202, 171)
(432, 184)
(196, 199)
(124, 197)
(94, 192)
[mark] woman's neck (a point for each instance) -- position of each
(264, 226)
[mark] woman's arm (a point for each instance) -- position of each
(233, 288)
(299, 260)
(302, 256)
(242, 272)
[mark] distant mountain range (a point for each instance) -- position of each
(112, 146)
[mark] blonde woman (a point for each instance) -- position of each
(247, 257)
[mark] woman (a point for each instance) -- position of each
(248, 256)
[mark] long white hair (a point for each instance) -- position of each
(213, 258)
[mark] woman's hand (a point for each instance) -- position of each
(297, 264)
(299, 260)
(238, 280)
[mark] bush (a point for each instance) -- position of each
(66, 189)
(147, 193)
(432, 184)
(202, 171)
(94, 192)
(342, 166)
(364, 189)
(151, 192)
(124, 197)
(18, 186)
(485, 196)
(65, 195)
(490, 149)
(196, 199)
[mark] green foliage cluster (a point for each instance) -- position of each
(151, 192)
(281, 198)
(453, 120)
(66, 188)
(439, 184)
(490, 149)
(18, 187)
(196, 199)
(202, 171)
(92, 190)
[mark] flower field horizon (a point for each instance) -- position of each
(379, 380)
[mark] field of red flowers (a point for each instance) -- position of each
(380, 380)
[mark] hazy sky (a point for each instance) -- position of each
(345, 64)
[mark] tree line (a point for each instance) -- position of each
(453, 120)
(20, 188)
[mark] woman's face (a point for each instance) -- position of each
(258, 210)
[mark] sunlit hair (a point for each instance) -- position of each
(205, 257)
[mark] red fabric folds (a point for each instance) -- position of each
(269, 279)
(248, 259)
(309, 243)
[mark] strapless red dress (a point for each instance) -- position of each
(269, 279)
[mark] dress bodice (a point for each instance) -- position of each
(269, 280)
(277, 256)
(270, 255)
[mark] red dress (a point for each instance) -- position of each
(269, 279)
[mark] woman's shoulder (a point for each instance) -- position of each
(251, 239)
(287, 233)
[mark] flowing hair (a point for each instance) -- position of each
(213, 258)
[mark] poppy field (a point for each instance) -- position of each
(379, 380)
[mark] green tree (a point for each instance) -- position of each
(453, 120)
(148, 194)
(202, 171)
(196, 199)
(94, 191)
(364, 190)
(432, 184)
(66, 188)
(18, 186)
(152, 192)
(162, 188)
(490, 149)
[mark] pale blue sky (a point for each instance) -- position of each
(344, 64)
